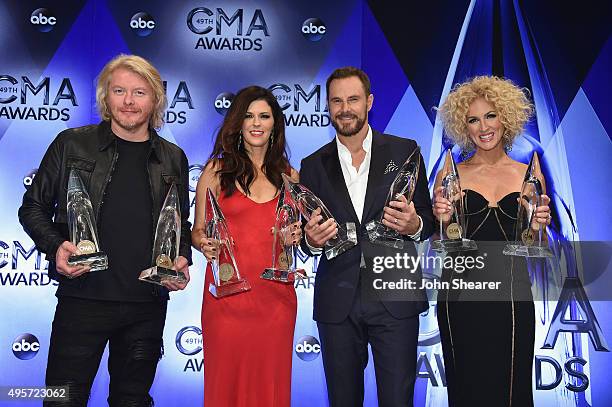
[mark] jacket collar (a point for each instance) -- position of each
(106, 137)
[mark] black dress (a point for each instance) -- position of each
(488, 336)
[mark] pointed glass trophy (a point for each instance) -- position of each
(227, 279)
(284, 256)
(307, 202)
(82, 226)
(404, 184)
(452, 235)
(529, 242)
(166, 243)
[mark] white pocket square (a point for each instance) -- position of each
(391, 166)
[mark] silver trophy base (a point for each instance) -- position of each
(527, 251)
(283, 276)
(229, 288)
(453, 245)
(383, 236)
(157, 275)
(95, 261)
(342, 243)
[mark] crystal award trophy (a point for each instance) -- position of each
(529, 242)
(284, 256)
(82, 226)
(227, 279)
(307, 202)
(452, 235)
(166, 243)
(403, 184)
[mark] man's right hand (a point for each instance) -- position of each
(318, 234)
(66, 250)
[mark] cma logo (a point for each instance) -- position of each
(313, 29)
(142, 24)
(573, 314)
(229, 31)
(29, 178)
(195, 171)
(189, 340)
(43, 19)
(25, 346)
(10, 88)
(223, 101)
(181, 96)
(65, 90)
(8, 256)
(292, 98)
(308, 348)
(201, 20)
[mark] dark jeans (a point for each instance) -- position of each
(81, 329)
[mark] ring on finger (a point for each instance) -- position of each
(395, 220)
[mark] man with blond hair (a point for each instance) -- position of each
(127, 170)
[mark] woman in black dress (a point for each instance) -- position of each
(487, 335)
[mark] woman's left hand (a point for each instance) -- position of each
(542, 214)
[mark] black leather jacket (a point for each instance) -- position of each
(92, 151)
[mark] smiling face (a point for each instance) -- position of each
(130, 101)
(484, 127)
(348, 105)
(257, 124)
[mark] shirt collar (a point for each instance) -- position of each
(367, 144)
(106, 137)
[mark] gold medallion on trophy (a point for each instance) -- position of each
(527, 237)
(86, 247)
(453, 231)
(226, 272)
(284, 260)
(163, 260)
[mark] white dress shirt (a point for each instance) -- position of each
(356, 180)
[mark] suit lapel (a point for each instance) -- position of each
(331, 163)
(380, 153)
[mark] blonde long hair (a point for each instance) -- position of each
(141, 67)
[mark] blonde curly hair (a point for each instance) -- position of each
(510, 102)
(147, 71)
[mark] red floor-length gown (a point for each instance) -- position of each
(248, 337)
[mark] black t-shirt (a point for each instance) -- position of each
(125, 230)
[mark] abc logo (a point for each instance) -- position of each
(313, 29)
(142, 24)
(308, 348)
(29, 178)
(223, 101)
(43, 19)
(25, 346)
(189, 340)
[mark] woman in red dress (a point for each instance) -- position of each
(248, 337)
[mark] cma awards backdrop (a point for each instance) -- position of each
(414, 53)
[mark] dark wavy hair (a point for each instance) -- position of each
(347, 72)
(234, 163)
